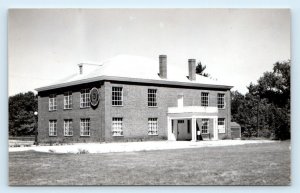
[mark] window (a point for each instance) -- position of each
(204, 127)
(85, 98)
(117, 126)
(52, 102)
(152, 98)
(117, 96)
(84, 127)
(180, 121)
(204, 99)
(221, 125)
(152, 126)
(221, 101)
(68, 100)
(52, 128)
(68, 127)
(221, 121)
(189, 126)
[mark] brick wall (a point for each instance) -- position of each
(96, 116)
(135, 111)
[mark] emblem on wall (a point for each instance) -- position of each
(94, 97)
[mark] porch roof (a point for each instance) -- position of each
(192, 112)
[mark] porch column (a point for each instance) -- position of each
(216, 132)
(170, 129)
(194, 138)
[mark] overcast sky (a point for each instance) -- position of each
(236, 45)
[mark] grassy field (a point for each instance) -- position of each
(256, 164)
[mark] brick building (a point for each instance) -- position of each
(133, 98)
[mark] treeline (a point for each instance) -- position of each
(21, 114)
(264, 111)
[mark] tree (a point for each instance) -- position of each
(237, 100)
(200, 70)
(21, 114)
(244, 111)
(265, 109)
(275, 85)
(275, 88)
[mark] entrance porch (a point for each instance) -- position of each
(192, 123)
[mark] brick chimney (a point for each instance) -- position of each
(80, 68)
(163, 66)
(192, 69)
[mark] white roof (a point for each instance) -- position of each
(133, 67)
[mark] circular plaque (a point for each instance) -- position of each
(94, 96)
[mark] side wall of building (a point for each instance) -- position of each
(96, 115)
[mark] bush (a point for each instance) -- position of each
(226, 137)
(265, 133)
(82, 151)
(16, 145)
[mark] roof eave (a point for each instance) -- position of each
(125, 79)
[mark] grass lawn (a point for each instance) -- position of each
(255, 164)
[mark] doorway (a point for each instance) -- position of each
(183, 130)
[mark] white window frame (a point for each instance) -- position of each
(85, 98)
(117, 126)
(152, 97)
(221, 100)
(52, 128)
(68, 100)
(152, 126)
(52, 102)
(85, 127)
(68, 127)
(204, 98)
(205, 126)
(117, 96)
(221, 125)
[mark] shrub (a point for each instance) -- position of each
(265, 133)
(82, 151)
(226, 137)
(16, 145)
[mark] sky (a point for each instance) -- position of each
(236, 45)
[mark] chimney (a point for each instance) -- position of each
(80, 68)
(192, 69)
(163, 66)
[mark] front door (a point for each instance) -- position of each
(180, 129)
